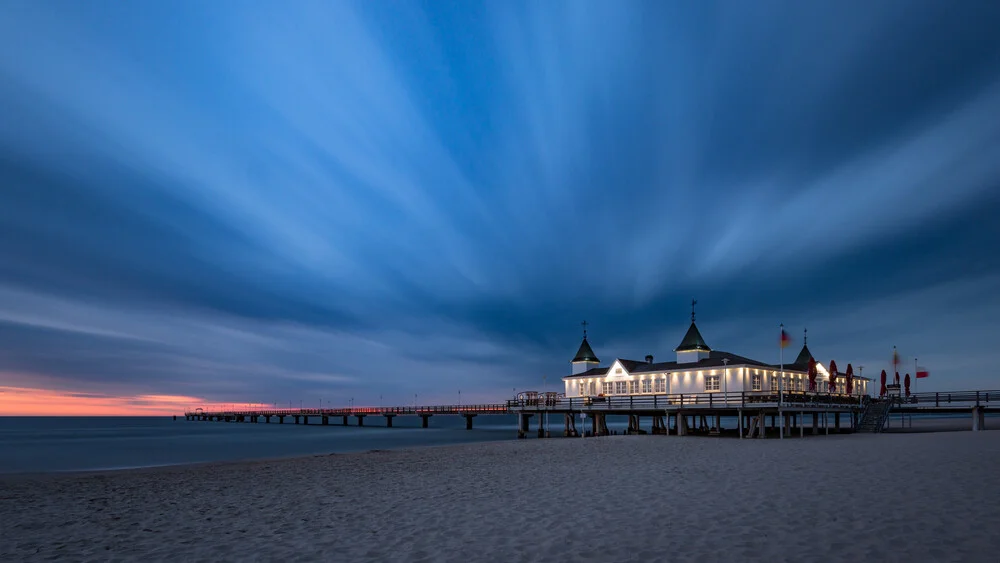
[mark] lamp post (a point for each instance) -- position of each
(545, 384)
(725, 380)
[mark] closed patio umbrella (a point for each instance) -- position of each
(906, 383)
(812, 374)
(833, 376)
(850, 379)
(881, 392)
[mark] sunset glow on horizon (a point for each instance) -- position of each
(23, 401)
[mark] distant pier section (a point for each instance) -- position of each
(323, 416)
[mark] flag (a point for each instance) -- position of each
(922, 372)
(895, 358)
(785, 339)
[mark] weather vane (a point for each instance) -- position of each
(584, 323)
(693, 303)
(805, 336)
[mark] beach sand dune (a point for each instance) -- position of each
(907, 497)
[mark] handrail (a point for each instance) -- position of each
(487, 408)
(640, 401)
(711, 400)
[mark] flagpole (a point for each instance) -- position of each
(781, 363)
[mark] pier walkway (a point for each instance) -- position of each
(254, 415)
(789, 411)
(677, 414)
(687, 413)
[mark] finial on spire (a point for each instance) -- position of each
(584, 323)
(693, 303)
(805, 336)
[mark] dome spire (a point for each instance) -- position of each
(585, 354)
(805, 355)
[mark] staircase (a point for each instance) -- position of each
(875, 416)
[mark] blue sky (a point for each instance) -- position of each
(284, 201)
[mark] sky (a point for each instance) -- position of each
(386, 202)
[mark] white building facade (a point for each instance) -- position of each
(699, 369)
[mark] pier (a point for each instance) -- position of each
(756, 414)
(344, 415)
(696, 413)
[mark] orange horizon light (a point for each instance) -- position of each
(26, 401)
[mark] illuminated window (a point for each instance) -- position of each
(711, 383)
(661, 385)
(618, 370)
(606, 388)
(647, 385)
(756, 382)
(620, 388)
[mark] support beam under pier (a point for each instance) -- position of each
(388, 420)
(425, 420)
(468, 420)
(523, 424)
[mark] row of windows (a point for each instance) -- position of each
(712, 383)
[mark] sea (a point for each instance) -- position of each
(70, 444)
(73, 444)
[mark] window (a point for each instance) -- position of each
(756, 382)
(620, 388)
(647, 386)
(633, 387)
(661, 385)
(618, 370)
(606, 388)
(711, 383)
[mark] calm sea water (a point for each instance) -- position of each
(56, 444)
(47, 444)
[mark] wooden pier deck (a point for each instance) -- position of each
(254, 415)
(681, 414)
(677, 414)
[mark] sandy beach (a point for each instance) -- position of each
(928, 496)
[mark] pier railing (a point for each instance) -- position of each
(701, 400)
(940, 399)
(490, 408)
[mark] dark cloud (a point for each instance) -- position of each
(243, 204)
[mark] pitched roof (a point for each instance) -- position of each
(585, 353)
(804, 356)
(692, 341)
(714, 360)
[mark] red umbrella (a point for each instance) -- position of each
(812, 374)
(833, 376)
(896, 381)
(906, 383)
(850, 379)
(881, 392)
